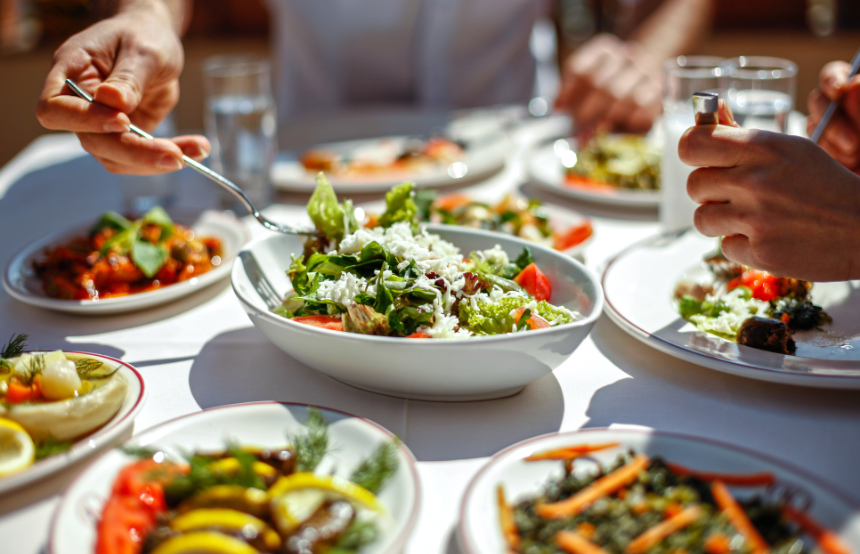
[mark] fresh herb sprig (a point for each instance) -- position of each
(378, 468)
(51, 447)
(311, 446)
(201, 476)
(15, 347)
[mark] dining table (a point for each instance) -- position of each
(202, 351)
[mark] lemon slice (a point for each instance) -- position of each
(17, 450)
(296, 497)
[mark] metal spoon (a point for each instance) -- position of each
(220, 179)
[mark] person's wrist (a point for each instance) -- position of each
(167, 12)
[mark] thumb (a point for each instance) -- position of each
(123, 89)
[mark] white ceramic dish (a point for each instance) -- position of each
(547, 172)
(108, 434)
(437, 369)
(479, 160)
(21, 283)
(479, 530)
(267, 424)
(639, 284)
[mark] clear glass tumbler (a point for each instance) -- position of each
(760, 91)
(241, 124)
(682, 76)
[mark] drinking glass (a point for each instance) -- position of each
(760, 91)
(241, 124)
(682, 76)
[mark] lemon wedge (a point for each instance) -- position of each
(296, 497)
(17, 450)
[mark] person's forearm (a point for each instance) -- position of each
(675, 28)
(176, 13)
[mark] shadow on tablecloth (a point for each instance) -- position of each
(243, 366)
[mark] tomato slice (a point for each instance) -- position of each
(762, 284)
(418, 336)
(331, 322)
(576, 234)
(535, 282)
(535, 321)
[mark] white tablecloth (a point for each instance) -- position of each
(202, 352)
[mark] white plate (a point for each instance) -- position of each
(473, 368)
(546, 171)
(479, 530)
(482, 130)
(87, 446)
(639, 284)
(21, 282)
(351, 439)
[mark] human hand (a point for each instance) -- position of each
(780, 202)
(841, 139)
(611, 85)
(130, 64)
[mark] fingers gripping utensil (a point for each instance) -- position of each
(834, 104)
(214, 176)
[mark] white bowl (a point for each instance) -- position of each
(435, 369)
(266, 424)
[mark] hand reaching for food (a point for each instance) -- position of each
(782, 204)
(611, 85)
(130, 63)
(841, 138)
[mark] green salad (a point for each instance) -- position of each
(396, 279)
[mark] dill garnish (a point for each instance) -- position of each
(377, 469)
(16, 345)
(37, 365)
(313, 445)
(51, 447)
(88, 368)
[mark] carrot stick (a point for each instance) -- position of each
(506, 519)
(654, 535)
(747, 480)
(738, 517)
(604, 486)
(569, 452)
(828, 541)
(576, 544)
(718, 543)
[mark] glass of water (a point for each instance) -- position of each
(682, 76)
(241, 124)
(760, 91)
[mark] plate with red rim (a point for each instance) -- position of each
(479, 531)
(645, 308)
(546, 171)
(110, 433)
(21, 282)
(264, 424)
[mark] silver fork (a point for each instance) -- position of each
(214, 176)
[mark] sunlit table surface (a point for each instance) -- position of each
(202, 352)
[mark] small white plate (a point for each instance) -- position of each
(109, 433)
(478, 161)
(479, 530)
(639, 284)
(351, 439)
(21, 282)
(547, 172)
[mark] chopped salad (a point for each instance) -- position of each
(396, 279)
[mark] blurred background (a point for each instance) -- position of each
(809, 32)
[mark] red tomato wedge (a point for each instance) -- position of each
(572, 236)
(418, 336)
(132, 509)
(331, 322)
(535, 282)
(535, 321)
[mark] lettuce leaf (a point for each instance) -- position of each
(399, 206)
(325, 211)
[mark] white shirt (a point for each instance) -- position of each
(337, 54)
